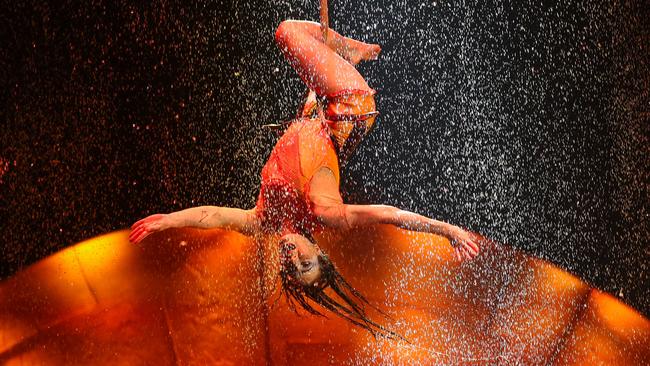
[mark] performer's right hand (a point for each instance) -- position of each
(147, 226)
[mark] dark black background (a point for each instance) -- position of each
(526, 122)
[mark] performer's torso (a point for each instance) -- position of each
(304, 148)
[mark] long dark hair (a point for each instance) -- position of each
(351, 308)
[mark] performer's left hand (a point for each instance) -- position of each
(464, 244)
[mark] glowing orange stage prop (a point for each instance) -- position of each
(187, 297)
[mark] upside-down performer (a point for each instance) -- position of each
(299, 193)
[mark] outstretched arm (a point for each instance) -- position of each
(328, 206)
(203, 217)
(352, 216)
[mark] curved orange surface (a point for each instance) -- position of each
(186, 297)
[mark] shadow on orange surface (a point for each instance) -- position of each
(207, 297)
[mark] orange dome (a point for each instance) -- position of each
(201, 297)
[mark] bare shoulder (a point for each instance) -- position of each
(323, 188)
(325, 199)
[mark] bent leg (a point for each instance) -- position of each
(323, 67)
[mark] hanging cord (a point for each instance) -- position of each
(324, 20)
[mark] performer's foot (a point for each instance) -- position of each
(352, 50)
(363, 52)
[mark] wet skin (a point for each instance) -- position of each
(304, 255)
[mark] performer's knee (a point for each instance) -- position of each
(283, 31)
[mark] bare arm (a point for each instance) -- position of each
(344, 216)
(329, 208)
(353, 216)
(203, 217)
(210, 217)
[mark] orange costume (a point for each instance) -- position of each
(310, 143)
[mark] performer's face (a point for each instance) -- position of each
(304, 255)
